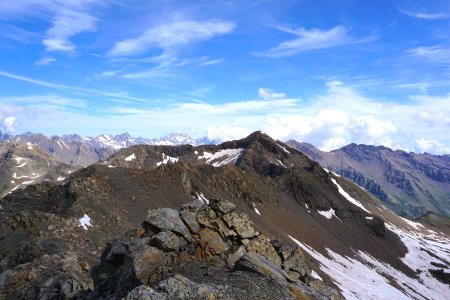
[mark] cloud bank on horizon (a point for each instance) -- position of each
(329, 73)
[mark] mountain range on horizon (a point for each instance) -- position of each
(262, 213)
(410, 184)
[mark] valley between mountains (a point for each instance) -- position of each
(253, 218)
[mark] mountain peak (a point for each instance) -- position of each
(123, 136)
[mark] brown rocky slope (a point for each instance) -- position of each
(289, 197)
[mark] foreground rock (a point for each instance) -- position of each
(164, 259)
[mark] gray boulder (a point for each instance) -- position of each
(168, 219)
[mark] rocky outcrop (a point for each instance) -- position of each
(145, 264)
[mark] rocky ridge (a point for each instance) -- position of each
(410, 184)
(25, 164)
(163, 259)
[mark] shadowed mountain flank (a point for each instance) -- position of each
(410, 184)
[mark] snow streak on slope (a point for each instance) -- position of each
(222, 157)
(167, 159)
(131, 157)
(364, 277)
(348, 197)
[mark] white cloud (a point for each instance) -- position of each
(333, 143)
(172, 35)
(227, 133)
(65, 25)
(45, 61)
(268, 94)
(313, 39)
(431, 146)
(9, 123)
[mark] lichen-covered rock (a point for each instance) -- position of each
(294, 260)
(210, 244)
(167, 241)
(223, 229)
(262, 246)
(144, 292)
(241, 223)
(181, 288)
(190, 220)
(206, 217)
(235, 256)
(49, 277)
(221, 206)
(150, 265)
(168, 219)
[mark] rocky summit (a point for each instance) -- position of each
(258, 220)
(203, 252)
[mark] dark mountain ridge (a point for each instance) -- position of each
(410, 184)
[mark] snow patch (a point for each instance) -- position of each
(327, 213)
(13, 189)
(29, 146)
(85, 221)
(65, 145)
(414, 225)
(369, 218)
(19, 160)
(256, 210)
(131, 157)
(60, 178)
(222, 157)
(202, 198)
(111, 166)
(362, 276)
(59, 144)
(315, 275)
(348, 197)
(284, 149)
(196, 152)
(281, 164)
(167, 159)
(24, 176)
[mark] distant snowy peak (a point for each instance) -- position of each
(126, 140)
(173, 139)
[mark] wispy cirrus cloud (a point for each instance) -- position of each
(434, 54)
(171, 36)
(111, 96)
(68, 18)
(423, 15)
(313, 39)
(45, 61)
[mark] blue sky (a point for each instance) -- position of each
(325, 72)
